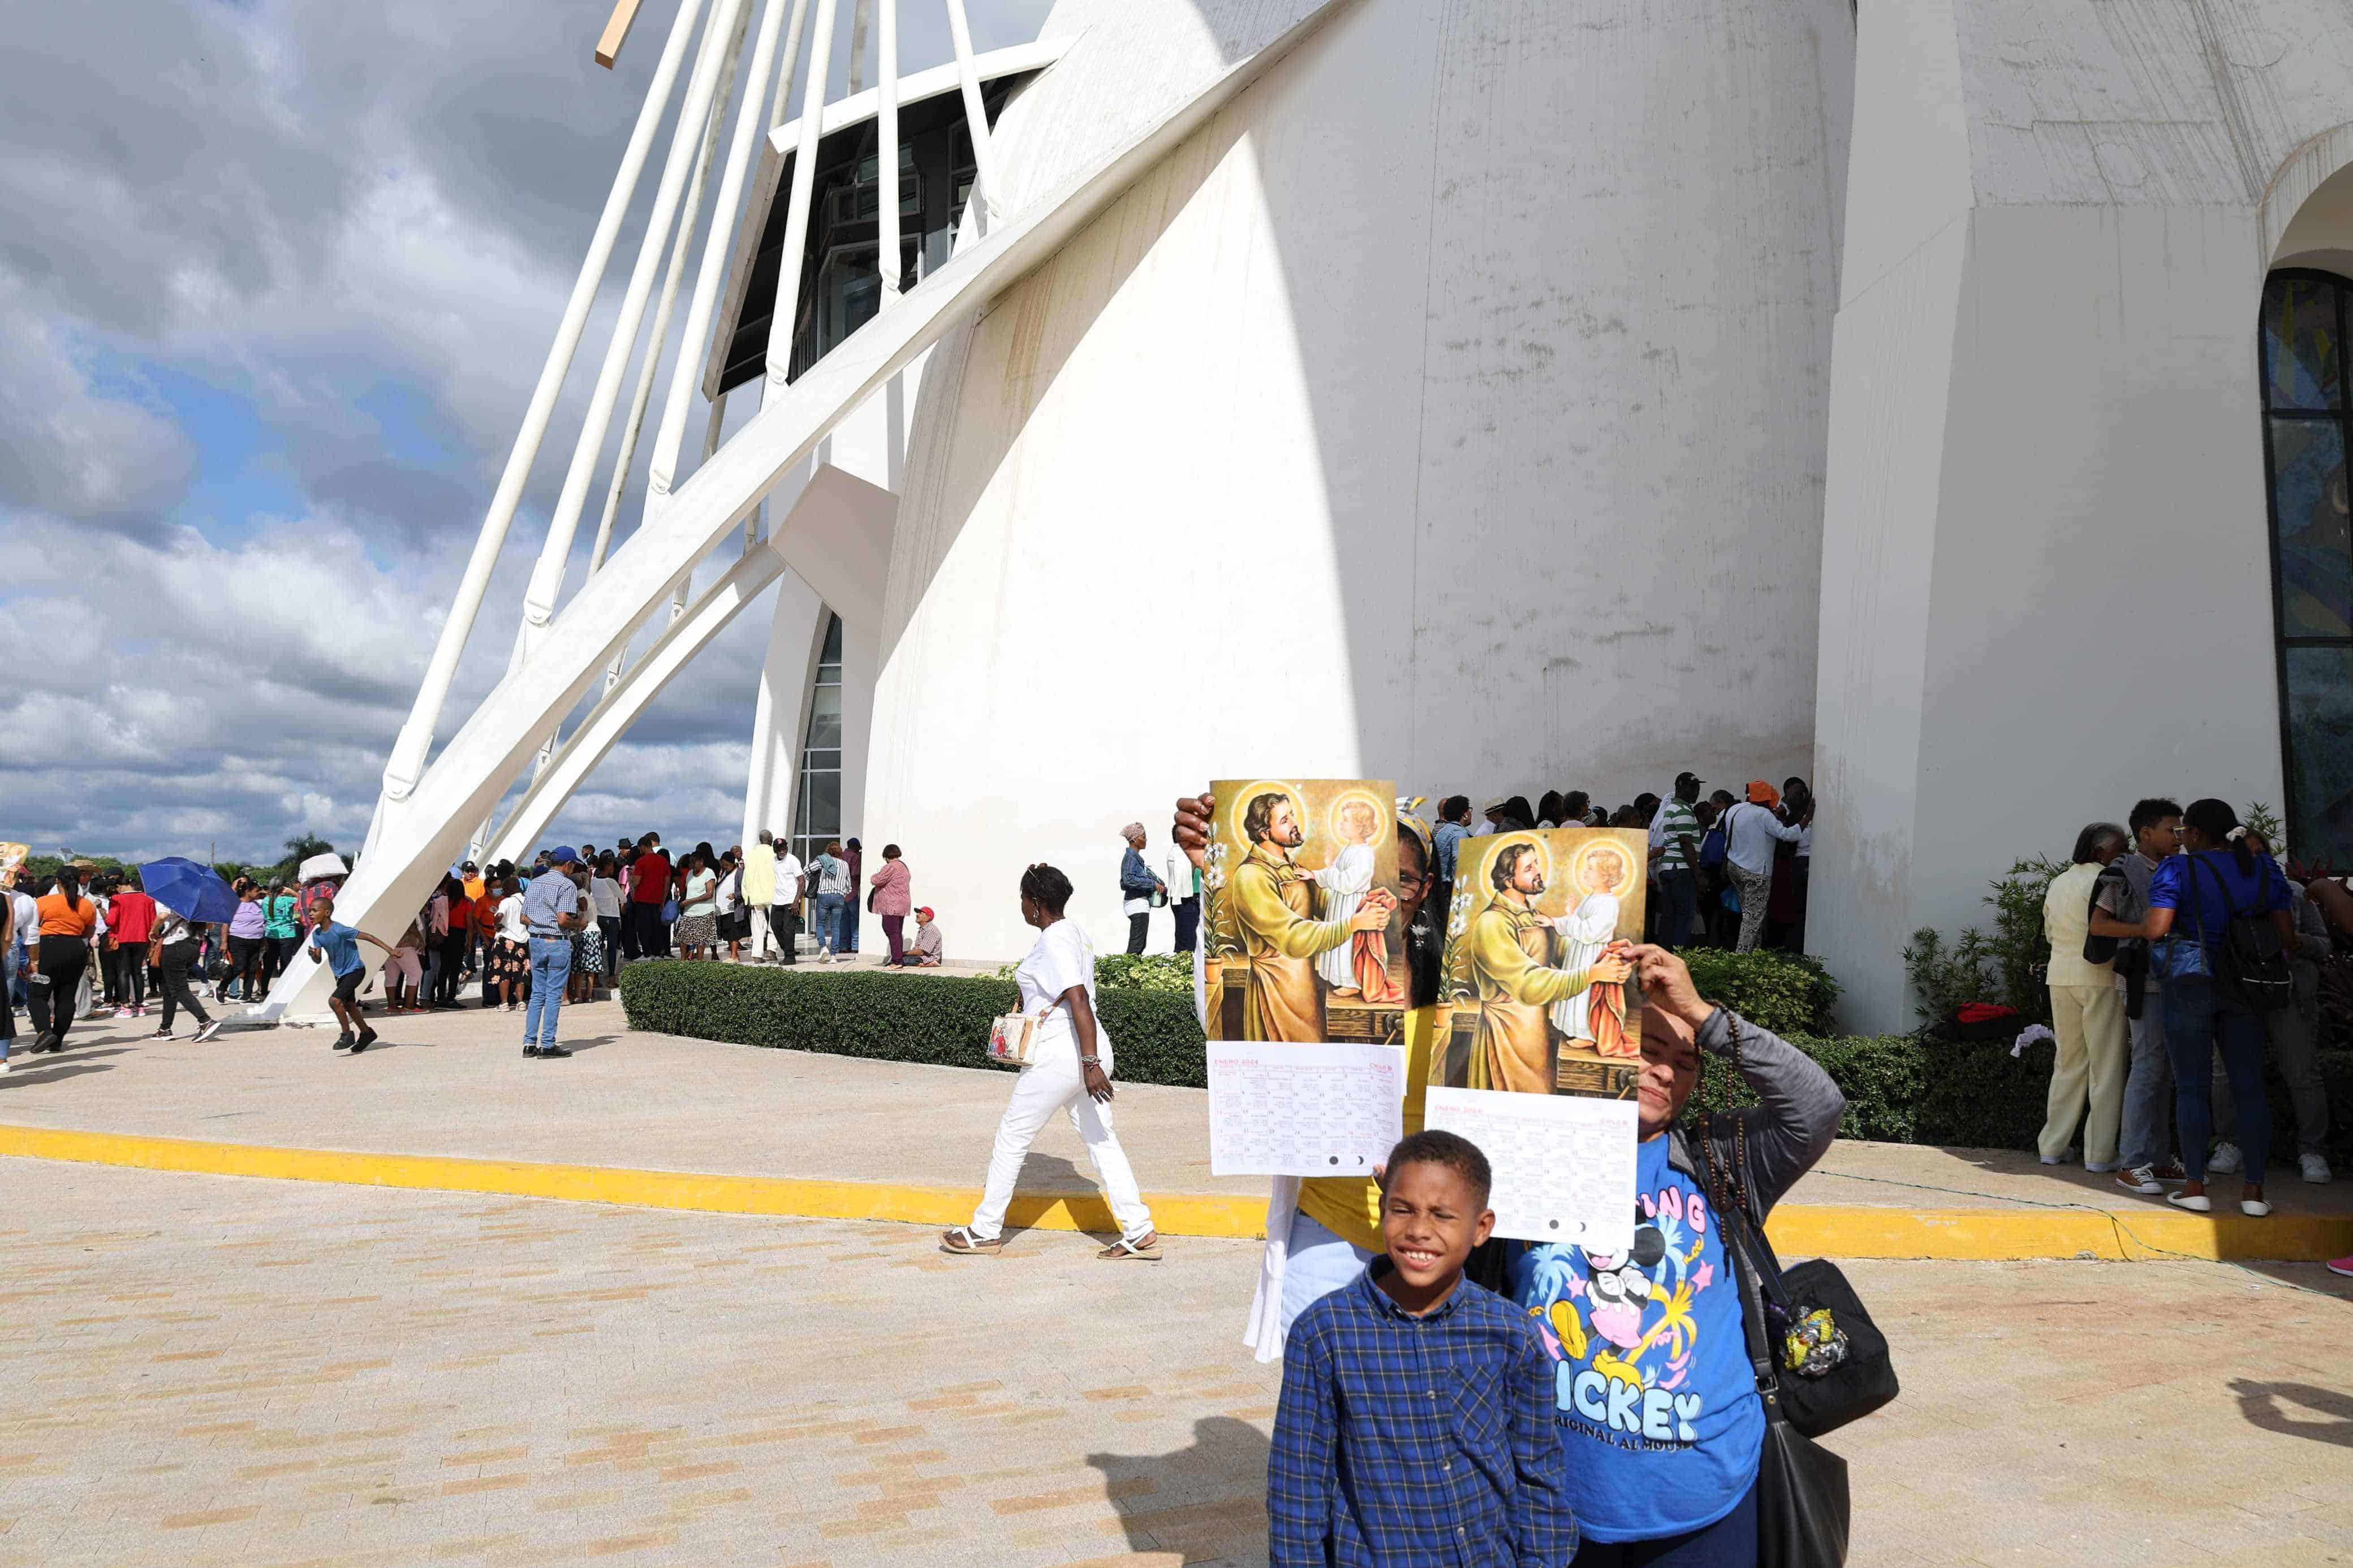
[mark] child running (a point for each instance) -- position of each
(1415, 1423)
(340, 944)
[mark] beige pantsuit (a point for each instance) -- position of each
(2089, 1021)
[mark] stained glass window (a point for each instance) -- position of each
(816, 804)
(2304, 410)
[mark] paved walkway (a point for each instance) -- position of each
(456, 1084)
(216, 1370)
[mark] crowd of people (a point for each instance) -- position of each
(2153, 996)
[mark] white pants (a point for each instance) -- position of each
(1049, 1084)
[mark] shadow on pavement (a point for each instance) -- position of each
(2275, 1407)
(61, 1070)
(1202, 1494)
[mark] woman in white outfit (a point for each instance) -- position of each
(1070, 1068)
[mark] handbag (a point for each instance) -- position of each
(2254, 967)
(1836, 1359)
(669, 911)
(1013, 1037)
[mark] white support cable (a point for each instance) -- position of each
(782, 320)
(643, 396)
(975, 114)
(407, 764)
(720, 41)
(886, 156)
(792, 61)
(750, 126)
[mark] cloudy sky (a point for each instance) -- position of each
(275, 279)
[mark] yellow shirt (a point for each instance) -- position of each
(1350, 1207)
(2066, 921)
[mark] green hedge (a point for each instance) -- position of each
(1784, 992)
(1900, 1089)
(937, 1019)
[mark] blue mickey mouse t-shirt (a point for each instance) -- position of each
(1656, 1401)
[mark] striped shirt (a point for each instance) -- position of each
(1675, 818)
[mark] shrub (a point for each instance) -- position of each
(1787, 993)
(2005, 967)
(938, 1019)
(1135, 971)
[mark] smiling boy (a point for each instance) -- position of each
(1417, 1416)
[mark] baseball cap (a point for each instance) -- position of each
(924, 911)
(563, 852)
(1688, 777)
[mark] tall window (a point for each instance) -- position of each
(2304, 413)
(816, 803)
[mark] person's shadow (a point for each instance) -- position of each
(2265, 1404)
(1197, 1498)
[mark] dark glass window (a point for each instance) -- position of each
(2302, 344)
(817, 802)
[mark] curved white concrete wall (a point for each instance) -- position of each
(1451, 409)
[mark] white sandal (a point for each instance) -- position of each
(1146, 1248)
(962, 1243)
(2202, 1203)
(2254, 1208)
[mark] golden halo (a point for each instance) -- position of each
(1504, 841)
(1583, 878)
(1240, 806)
(1384, 815)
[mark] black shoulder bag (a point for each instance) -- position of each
(2254, 967)
(1803, 1505)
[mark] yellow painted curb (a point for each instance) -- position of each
(1853, 1230)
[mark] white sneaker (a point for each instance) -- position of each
(2316, 1171)
(2225, 1158)
(208, 1031)
(2140, 1179)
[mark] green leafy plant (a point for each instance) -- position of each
(1787, 993)
(2005, 966)
(1135, 971)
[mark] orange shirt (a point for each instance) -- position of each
(57, 919)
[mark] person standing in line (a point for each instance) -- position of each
(605, 899)
(924, 949)
(245, 942)
(2192, 898)
(893, 903)
(1788, 909)
(172, 945)
(785, 912)
(831, 874)
(697, 920)
(1137, 887)
(853, 854)
(470, 880)
(2147, 1124)
(1508, 813)
(735, 921)
(1446, 848)
(1550, 810)
(1070, 1069)
(132, 918)
(2086, 1015)
(403, 973)
(511, 966)
(760, 891)
(2294, 1033)
(281, 933)
(339, 947)
(1183, 881)
(587, 939)
(648, 891)
(60, 957)
(1750, 830)
(1576, 810)
(27, 928)
(433, 929)
(551, 913)
(1674, 856)
(454, 940)
(8, 974)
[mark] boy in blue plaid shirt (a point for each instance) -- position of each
(1416, 1426)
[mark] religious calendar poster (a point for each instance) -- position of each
(1304, 1109)
(1564, 1164)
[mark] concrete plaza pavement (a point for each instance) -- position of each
(456, 1084)
(216, 1369)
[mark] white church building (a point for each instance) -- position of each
(1944, 400)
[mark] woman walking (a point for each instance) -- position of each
(893, 902)
(2192, 899)
(61, 958)
(1070, 1069)
(605, 896)
(281, 933)
(174, 950)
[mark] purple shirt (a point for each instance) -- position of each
(248, 919)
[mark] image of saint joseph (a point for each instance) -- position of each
(1516, 955)
(1286, 922)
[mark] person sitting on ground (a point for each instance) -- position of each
(338, 946)
(924, 949)
(1372, 1461)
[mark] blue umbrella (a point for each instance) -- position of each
(192, 892)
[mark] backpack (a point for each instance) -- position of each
(1716, 845)
(2252, 966)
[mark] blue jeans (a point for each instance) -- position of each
(828, 921)
(550, 966)
(2198, 1023)
(1678, 907)
(1729, 1542)
(2148, 1083)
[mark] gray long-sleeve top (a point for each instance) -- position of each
(1788, 1129)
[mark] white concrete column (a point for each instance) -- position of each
(780, 716)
